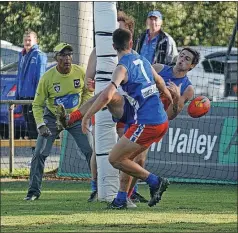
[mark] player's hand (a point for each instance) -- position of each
(44, 131)
(85, 124)
(174, 90)
(167, 94)
(90, 85)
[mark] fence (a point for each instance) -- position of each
(11, 143)
(51, 19)
(193, 150)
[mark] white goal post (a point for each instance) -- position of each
(105, 18)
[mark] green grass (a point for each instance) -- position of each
(63, 208)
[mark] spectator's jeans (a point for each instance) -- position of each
(44, 146)
(30, 120)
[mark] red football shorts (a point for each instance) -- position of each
(145, 135)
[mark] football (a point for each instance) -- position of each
(199, 106)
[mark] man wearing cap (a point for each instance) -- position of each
(61, 85)
(154, 44)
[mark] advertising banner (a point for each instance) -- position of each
(193, 149)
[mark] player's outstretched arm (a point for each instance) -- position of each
(160, 84)
(91, 71)
(178, 101)
(119, 75)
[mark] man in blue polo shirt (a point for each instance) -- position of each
(154, 44)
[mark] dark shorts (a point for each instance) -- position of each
(128, 113)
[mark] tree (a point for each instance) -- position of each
(42, 17)
(189, 23)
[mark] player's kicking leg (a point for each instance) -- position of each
(63, 120)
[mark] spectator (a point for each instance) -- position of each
(154, 44)
(31, 66)
(61, 85)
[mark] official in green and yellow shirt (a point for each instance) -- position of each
(62, 84)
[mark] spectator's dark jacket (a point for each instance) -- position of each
(31, 67)
(165, 52)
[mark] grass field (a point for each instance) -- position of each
(63, 208)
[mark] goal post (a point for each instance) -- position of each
(105, 18)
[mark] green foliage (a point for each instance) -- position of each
(42, 17)
(189, 23)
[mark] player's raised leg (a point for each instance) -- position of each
(64, 120)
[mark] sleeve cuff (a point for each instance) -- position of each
(39, 125)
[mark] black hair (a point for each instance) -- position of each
(195, 53)
(121, 39)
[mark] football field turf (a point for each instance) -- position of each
(63, 207)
